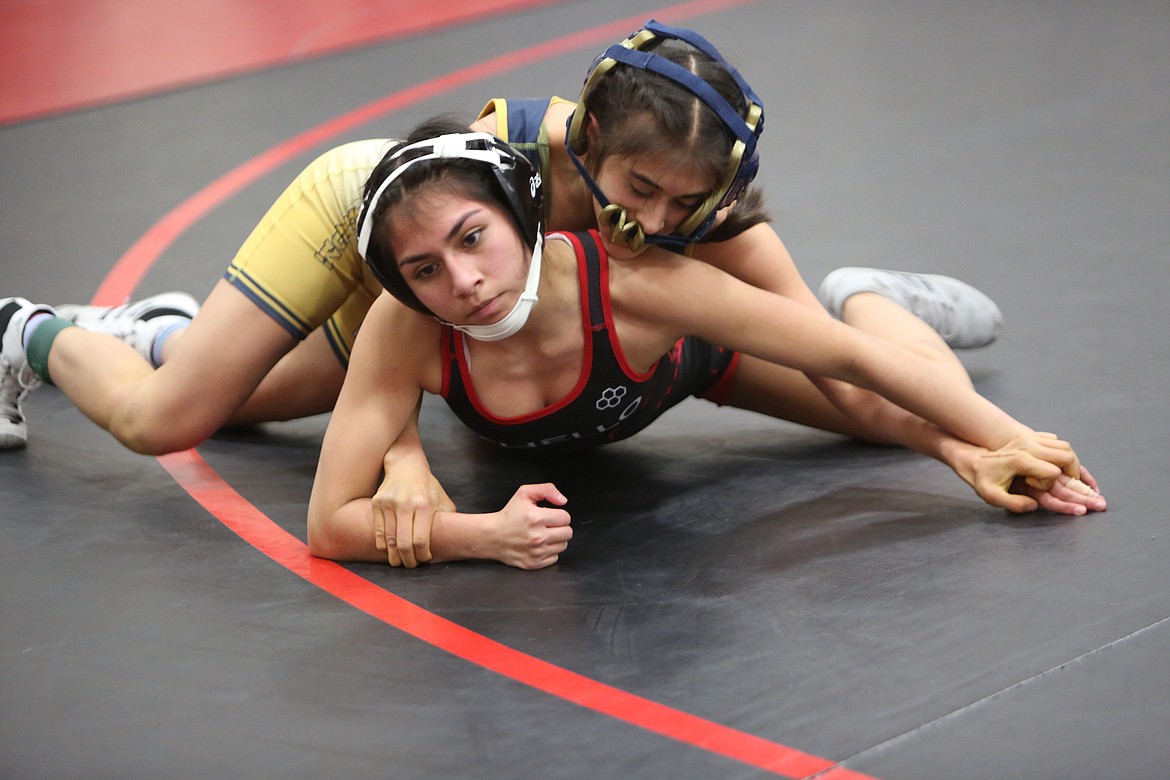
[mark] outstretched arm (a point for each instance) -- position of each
(1014, 477)
(993, 475)
(781, 331)
(759, 258)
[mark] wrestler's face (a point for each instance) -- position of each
(463, 258)
(657, 191)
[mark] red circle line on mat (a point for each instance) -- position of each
(218, 497)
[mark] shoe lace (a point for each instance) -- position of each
(14, 386)
(117, 323)
(27, 378)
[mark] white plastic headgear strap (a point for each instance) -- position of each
(514, 320)
(449, 146)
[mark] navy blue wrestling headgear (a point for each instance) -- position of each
(742, 165)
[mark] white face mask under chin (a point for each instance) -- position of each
(514, 320)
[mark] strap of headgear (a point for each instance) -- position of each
(703, 45)
(451, 146)
(647, 60)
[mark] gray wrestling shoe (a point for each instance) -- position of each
(137, 322)
(962, 315)
(17, 379)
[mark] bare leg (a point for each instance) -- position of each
(211, 371)
(882, 317)
(787, 394)
(305, 382)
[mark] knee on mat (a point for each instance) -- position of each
(159, 437)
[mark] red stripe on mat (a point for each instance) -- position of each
(218, 497)
(235, 512)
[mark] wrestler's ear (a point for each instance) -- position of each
(592, 129)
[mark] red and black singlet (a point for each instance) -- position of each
(610, 400)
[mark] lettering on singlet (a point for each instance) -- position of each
(611, 397)
(333, 247)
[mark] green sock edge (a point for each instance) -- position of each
(41, 342)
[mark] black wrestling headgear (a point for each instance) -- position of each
(519, 184)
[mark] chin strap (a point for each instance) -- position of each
(514, 320)
(623, 230)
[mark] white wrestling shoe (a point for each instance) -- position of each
(17, 379)
(963, 316)
(137, 322)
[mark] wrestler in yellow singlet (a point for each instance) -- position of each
(300, 263)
